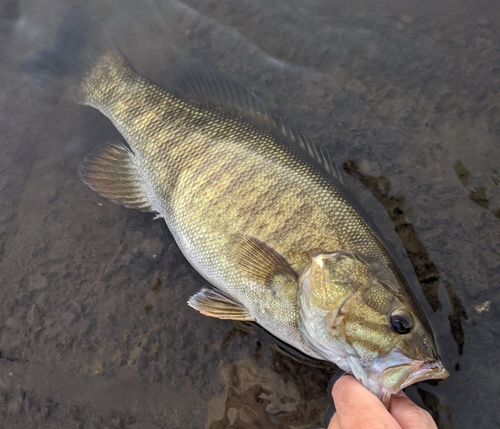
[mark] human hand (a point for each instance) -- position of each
(359, 408)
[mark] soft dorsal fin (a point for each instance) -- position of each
(111, 171)
(212, 303)
(258, 261)
(200, 84)
(197, 83)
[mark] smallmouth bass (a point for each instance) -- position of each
(253, 207)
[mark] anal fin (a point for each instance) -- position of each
(212, 303)
(111, 171)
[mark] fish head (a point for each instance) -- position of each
(358, 314)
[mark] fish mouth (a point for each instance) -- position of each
(398, 377)
(427, 371)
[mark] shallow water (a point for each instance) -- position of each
(94, 327)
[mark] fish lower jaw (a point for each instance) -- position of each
(427, 371)
(419, 371)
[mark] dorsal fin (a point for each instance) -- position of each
(203, 85)
(321, 156)
(200, 84)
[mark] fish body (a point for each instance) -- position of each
(269, 227)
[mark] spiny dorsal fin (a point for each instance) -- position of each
(321, 156)
(258, 261)
(210, 302)
(111, 171)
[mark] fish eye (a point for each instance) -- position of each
(401, 322)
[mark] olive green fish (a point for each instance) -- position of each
(252, 205)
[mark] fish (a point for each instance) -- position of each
(256, 208)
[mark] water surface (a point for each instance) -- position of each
(94, 327)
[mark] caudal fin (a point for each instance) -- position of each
(62, 67)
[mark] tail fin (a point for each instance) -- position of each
(79, 44)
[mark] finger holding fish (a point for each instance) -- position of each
(358, 408)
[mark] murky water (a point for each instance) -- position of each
(94, 327)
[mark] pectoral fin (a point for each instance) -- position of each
(259, 262)
(111, 170)
(212, 303)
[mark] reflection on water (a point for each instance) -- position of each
(94, 326)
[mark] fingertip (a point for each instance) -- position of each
(348, 392)
(334, 422)
(400, 394)
(400, 401)
(345, 382)
(410, 415)
(339, 383)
